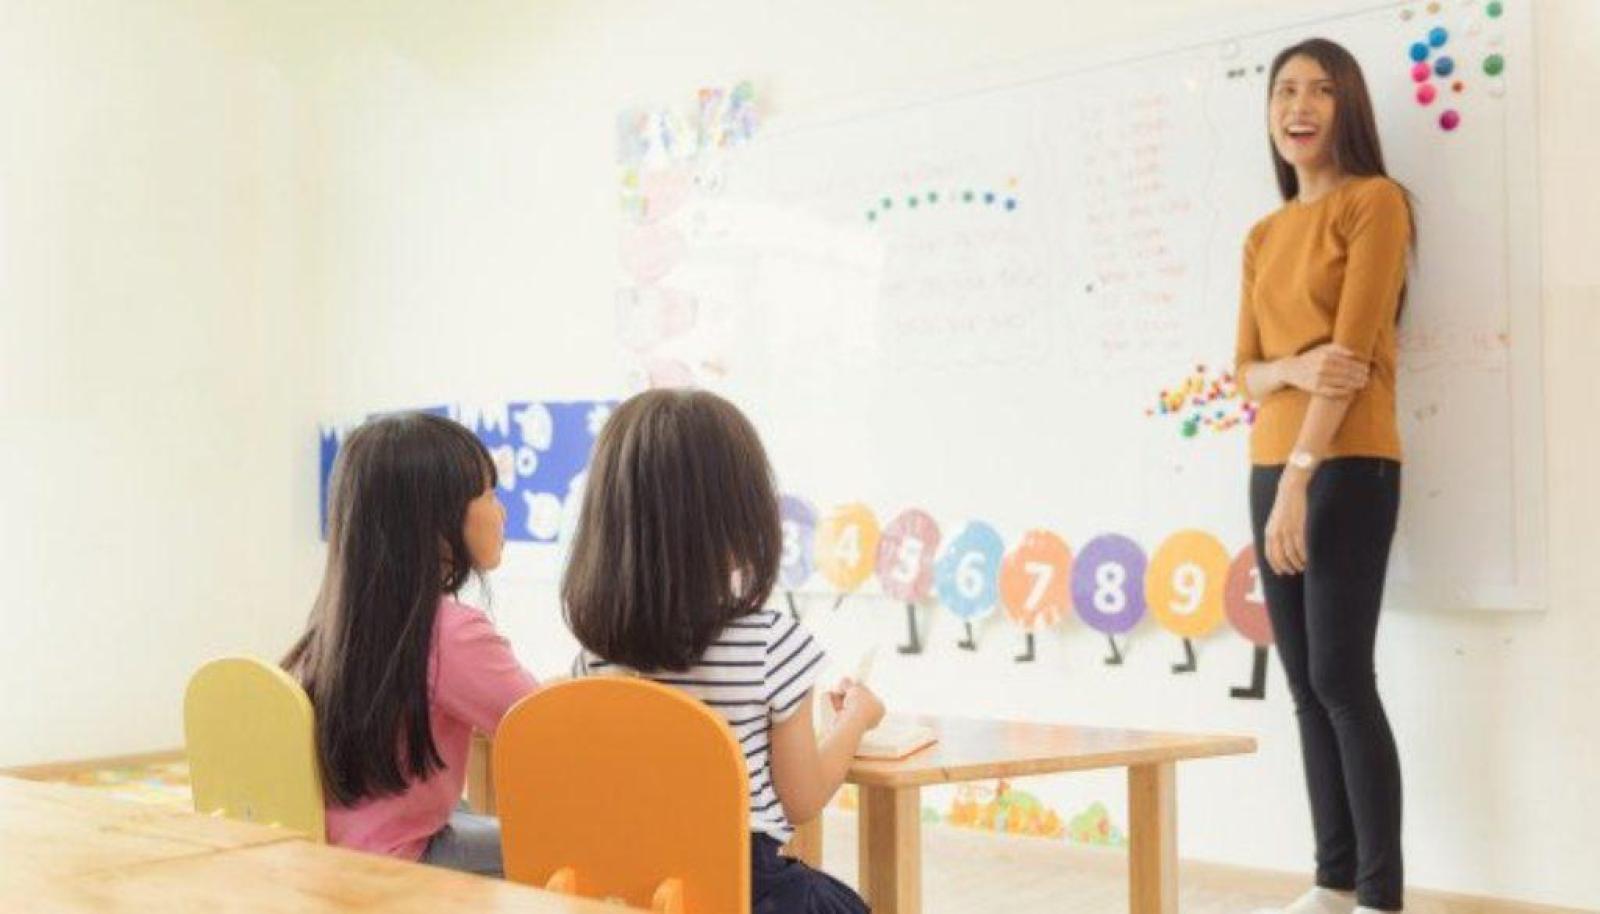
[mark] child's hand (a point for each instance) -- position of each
(836, 694)
(856, 703)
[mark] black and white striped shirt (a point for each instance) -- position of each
(754, 674)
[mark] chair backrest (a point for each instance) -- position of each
(252, 745)
(615, 787)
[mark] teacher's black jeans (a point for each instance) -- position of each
(1325, 622)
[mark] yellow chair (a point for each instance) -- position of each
(252, 745)
(628, 790)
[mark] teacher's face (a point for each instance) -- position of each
(1300, 115)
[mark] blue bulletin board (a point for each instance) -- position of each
(540, 449)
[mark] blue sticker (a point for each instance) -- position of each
(1419, 52)
(1444, 66)
(1438, 37)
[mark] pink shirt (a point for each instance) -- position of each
(474, 679)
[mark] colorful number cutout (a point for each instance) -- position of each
(1185, 581)
(1108, 584)
(905, 555)
(1035, 581)
(965, 576)
(1244, 602)
(847, 546)
(799, 521)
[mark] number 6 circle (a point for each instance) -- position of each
(965, 574)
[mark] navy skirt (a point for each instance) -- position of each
(782, 885)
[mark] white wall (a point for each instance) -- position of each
(471, 206)
(157, 432)
(442, 217)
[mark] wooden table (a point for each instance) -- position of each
(69, 850)
(890, 817)
(49, 831)
(294, 876)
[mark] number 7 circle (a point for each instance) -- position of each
(1034, 581)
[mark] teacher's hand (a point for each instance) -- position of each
(1330, 370)
(1286, 527)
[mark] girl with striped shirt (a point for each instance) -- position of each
(676, 553)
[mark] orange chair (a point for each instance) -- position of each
(624, 789)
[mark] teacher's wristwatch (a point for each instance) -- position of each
(1302, 460)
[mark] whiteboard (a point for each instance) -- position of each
(974, 302)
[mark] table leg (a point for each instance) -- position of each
(1153, 839)
(480, 776)
(890, 855)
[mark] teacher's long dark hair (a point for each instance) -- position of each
(1356, 148)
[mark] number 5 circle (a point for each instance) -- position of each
(905, 555)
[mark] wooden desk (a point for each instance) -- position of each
(68, 849)
(49, 831)
(294, 876)
(890, 819)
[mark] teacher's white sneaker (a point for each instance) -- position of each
(1319, 901)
